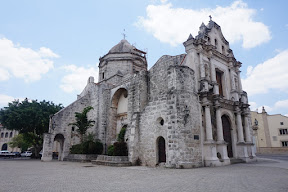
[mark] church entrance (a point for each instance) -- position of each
(161, 150)
(58, 147)
(227, 134)
(118, 113)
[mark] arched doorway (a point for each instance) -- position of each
(118, 113)
(227, 134)
(161, 150)
(4, 147)
(58, 147)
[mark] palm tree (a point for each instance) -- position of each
(82, 122)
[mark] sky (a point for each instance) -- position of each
(49, 48)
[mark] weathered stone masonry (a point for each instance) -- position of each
(187, 111)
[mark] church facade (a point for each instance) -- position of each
(186, 111)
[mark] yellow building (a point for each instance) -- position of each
(6, 137)
(270, 131)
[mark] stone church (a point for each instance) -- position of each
(186, 111)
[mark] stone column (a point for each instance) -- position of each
(247, 130)
(202, 67)
(213, 77)
(239, 126)
(209, 136)
(233, 87)
(219, 124)
(47, 147)
(221, 144)
(239, 81)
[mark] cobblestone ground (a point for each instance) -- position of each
(34, 175)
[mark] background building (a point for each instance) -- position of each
(271, 132)
(5, 137)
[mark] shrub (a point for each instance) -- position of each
(87, 147)
(110, 151)
(95, 148)
(121, 135)
(120, 149)
(77, 149)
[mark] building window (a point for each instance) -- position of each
(160, 120)
(103, 75)
(284, 143)
(281, 123)
(283, 131)
(11, 134)
(223, 50)
(6, 135)
(2, 135)
(216, 43)
(219, 81)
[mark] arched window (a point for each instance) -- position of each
(4, 147)
(216, 43)
(160, 121)
(6, 134)
(11, 134)
(2, 135)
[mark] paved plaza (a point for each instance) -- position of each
(33, 175)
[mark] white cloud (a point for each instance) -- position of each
(253, 106)
(274, 109)
(77, 78)
(272, 74)
(163, 1)
(22, 62)
(4, 75)
(173, 25)
(281, 104)
(5, 99)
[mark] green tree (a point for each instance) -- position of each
(20, 142)
(30, 118)
(82, 122)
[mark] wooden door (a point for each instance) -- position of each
(227, 134)
(161, 150)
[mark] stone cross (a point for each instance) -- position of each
(124, 35)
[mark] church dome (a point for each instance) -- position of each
(122, 47)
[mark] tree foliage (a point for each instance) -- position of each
(29, 118)
(82, 122)
(21, 142)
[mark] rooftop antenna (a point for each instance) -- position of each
(124, 34)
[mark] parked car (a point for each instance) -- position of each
(6, 154)
(26, 154)
(17, 154)
(40, 153)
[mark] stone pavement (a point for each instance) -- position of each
(34, 175)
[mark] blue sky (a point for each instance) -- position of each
(48, 49)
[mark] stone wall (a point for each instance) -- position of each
(172, 97)
(272, 150)
(59, 122)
